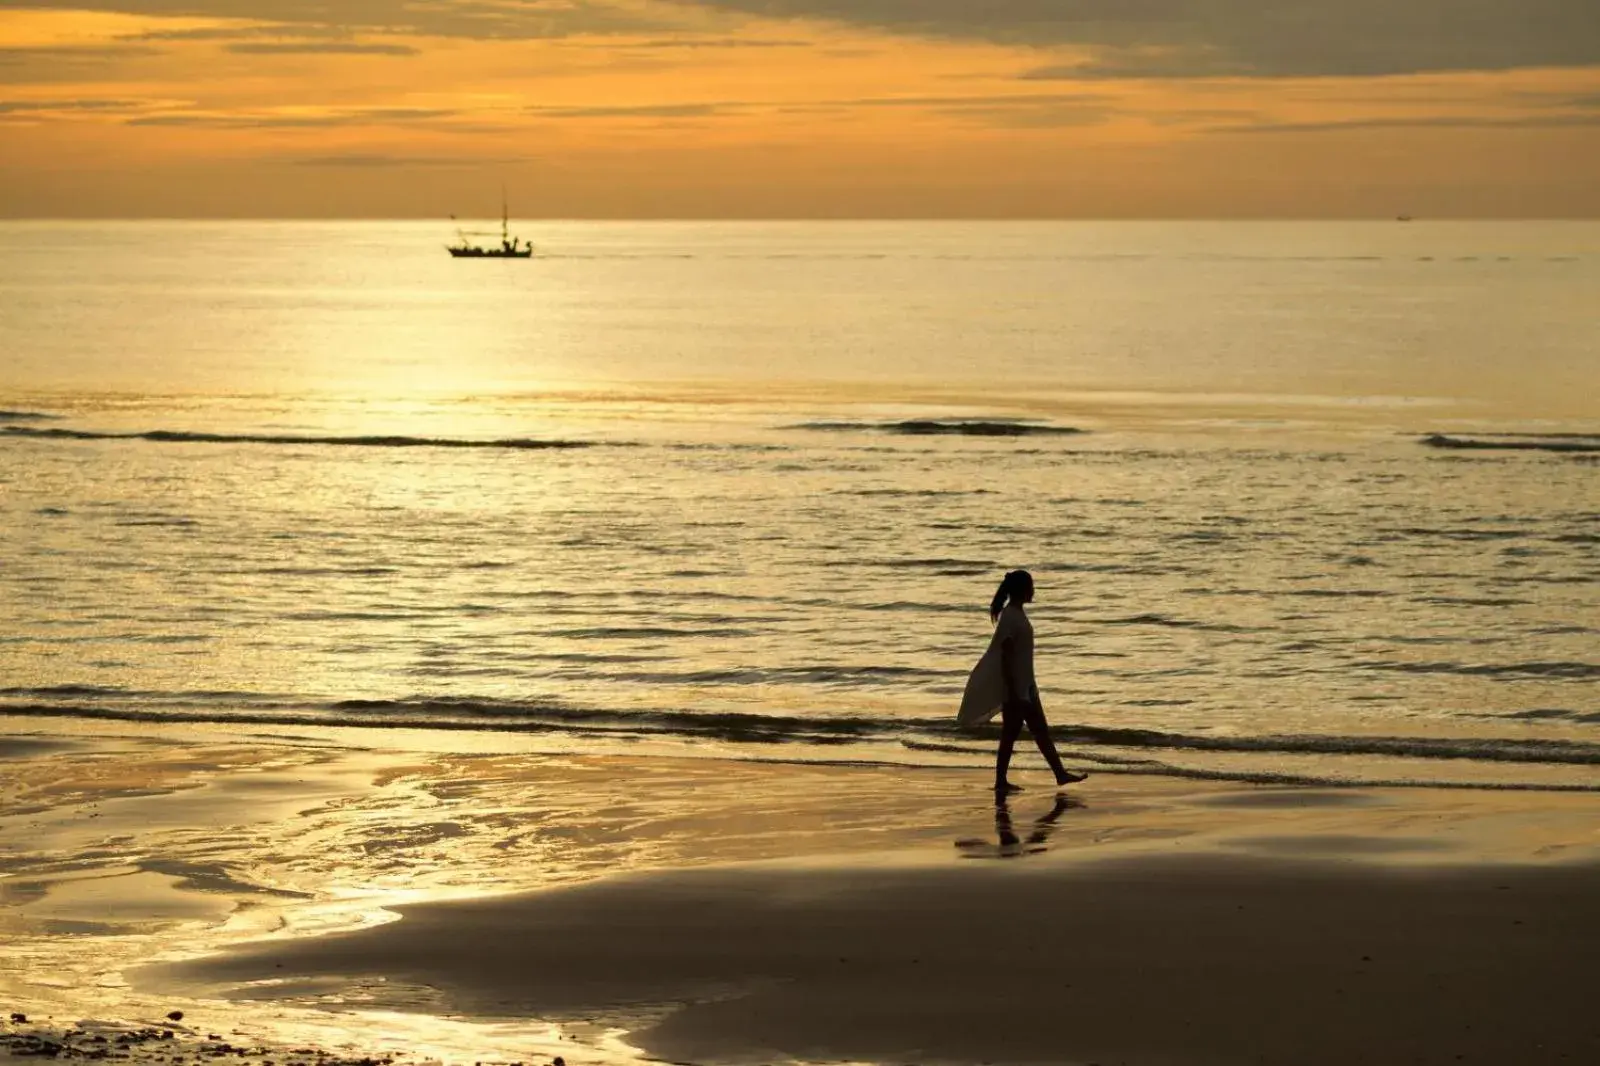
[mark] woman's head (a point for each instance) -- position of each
(1015, 587)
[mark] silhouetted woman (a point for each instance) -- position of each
(1003, 683)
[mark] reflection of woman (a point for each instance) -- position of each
(1003, 682)
(1043, 826)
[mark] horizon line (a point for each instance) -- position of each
(815, 218)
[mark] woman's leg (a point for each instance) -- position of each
(1040, 729)
(1010, 728)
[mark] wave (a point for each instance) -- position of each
(1485, 749)
(26, 416)
(937, 564)
(1543, 436)
(170, 436)
(1539, 443)
(1293, 780)
(1577, 671)
(549, 716)
(959, 427)
(1553, 713)
(452, 713)
(1453, 534)
(916, 493)
(1174, 623)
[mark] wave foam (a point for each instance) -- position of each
(1574, 442)
(171, 436)
(546, 716)
(959, 427)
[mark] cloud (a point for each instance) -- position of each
(711, 42)
(1034, 110)
(74, 53)
(247, 120)
(237, 32)
(478, 19)
(1014, 110)
(89, 106)
(1412, 122)
(23, 65)
(633, 111)
(1057, 116)
(378, 161)
(1248, 38)
(346, 48)
(277, 39)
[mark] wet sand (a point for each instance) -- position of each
(1187, 959)
(711, 911)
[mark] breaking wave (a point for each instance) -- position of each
(1576, 671)
(539, 716)
(168, 436)
(955, 427)
(1564, 442)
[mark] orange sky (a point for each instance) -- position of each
(799, 108)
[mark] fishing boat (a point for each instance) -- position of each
(509, 248)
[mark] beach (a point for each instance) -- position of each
(375, 901)
(466, 663)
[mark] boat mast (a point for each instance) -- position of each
(505, 217)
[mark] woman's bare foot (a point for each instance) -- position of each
(1006, 788)
(1069, 777)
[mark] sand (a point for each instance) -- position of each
(1151, 959)
(718, 912)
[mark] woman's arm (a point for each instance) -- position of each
(1015, 692)
(1007, 653)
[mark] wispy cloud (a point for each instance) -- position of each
(276, 38)
(692, 42)
(1044, 109)
(65, 64)
(1262, 38)
(97, 53)
(100, 106)
(477, 19)
(634, 110)
(380, 161)
(1412, 122)
(345, 48)
(238, 31)
(302, 119)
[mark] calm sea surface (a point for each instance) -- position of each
(746, 489)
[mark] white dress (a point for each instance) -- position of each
(986, 685)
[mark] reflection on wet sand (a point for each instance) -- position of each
(1010, 845)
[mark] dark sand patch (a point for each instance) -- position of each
(1318, 845)
(27, 747)
(1149, 960)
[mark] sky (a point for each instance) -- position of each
(800, 108)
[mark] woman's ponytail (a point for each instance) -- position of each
(1010, 585)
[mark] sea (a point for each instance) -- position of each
(1304, 502)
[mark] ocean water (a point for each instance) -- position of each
(1303, 501)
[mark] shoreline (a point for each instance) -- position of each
(157, 873)
(1549, 760)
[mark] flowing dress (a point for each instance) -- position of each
(986, 685)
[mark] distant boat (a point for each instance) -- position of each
(510, 247)
(1402, 218)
